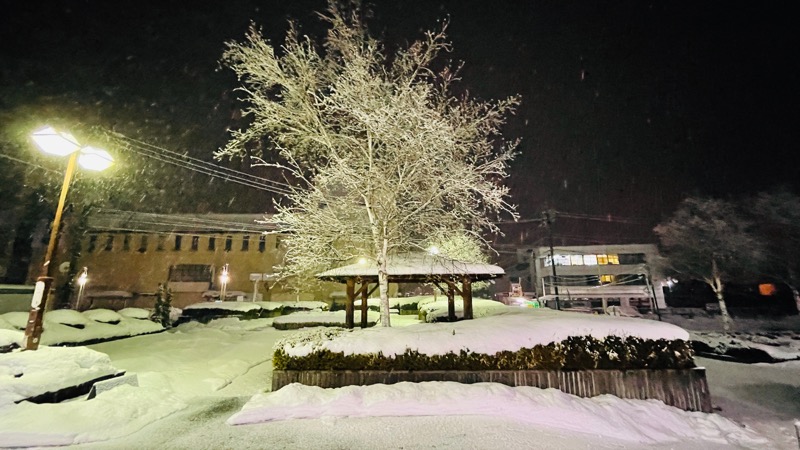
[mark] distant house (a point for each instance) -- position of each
(127, 255)
(597, 275)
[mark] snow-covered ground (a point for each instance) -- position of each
(196, 381)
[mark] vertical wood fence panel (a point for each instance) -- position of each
(685, 389)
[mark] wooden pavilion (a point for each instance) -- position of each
(449, 276)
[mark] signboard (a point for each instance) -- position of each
(38, 293)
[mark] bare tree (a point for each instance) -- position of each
(709, 240)
(382, 153)
(777, 216)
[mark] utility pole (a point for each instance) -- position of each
(549, 218)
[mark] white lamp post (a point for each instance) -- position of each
(223, 279)
(82, 279)
(60, 144)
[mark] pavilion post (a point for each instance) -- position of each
(451, 302)
(466, 295)
(364, 295)
(349, 306)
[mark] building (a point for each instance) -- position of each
(128, 254)
(597, 276)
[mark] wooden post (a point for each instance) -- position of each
(466, 295)
(364, 309)
(348, 309)
(451, 303)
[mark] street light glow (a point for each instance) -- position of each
(54, 142)
(95, 159)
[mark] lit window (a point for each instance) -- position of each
(613, 259)
(606, 279)
(562, 260)
(546, 261)
(602, 259)
(576, 260)
(590, 260)
(767, 289)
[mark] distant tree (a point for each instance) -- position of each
(709, 240)
(163, 306)
(383, 154)
(777, 218)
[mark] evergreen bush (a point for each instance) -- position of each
(162, 306)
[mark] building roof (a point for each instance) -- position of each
(132, 221)
(415, 267)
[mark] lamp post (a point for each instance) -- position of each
(223, 279)
(82, 279)
(60, 144)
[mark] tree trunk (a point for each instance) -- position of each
(718, 288)
(383, 287)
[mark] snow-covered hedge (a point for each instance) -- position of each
(103, 316)
(135, 313)
(307, 319)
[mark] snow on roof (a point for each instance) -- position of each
(417, 266)
(114, 220)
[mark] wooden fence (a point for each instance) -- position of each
(685, 389)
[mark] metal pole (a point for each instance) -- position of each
(549, 222)
(33, 329)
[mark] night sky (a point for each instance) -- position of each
(628, 106)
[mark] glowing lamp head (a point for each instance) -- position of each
(84, 277)
(95, 159)
(224, 277)
(55, 142)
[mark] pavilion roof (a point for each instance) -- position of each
(415, 267)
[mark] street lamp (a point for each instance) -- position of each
(82, 279)
(223, 279)
(60, 144)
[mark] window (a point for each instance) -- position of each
(228, 243)
(602, 260)
(178, 240)
(109, 243)
(562, 260)
(632, 258)
(143, 244)
(576, 260)
(126, 243)
(606, 279)
(245, 243)
(190, 273)
(635, 279)
(195, 243)
(92, 243)
(589, 260)
(613, 259)
(160, 244)
(212, 243)
(545, 261)
(262, 243)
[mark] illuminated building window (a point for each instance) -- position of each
(767, 289)
(602, 260)
(613, 259)
(590, 260)
(606, 279)
(562, 260)
(576, 260)
(546, 261)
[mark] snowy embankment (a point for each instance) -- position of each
(606, 416)
(66, 326)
